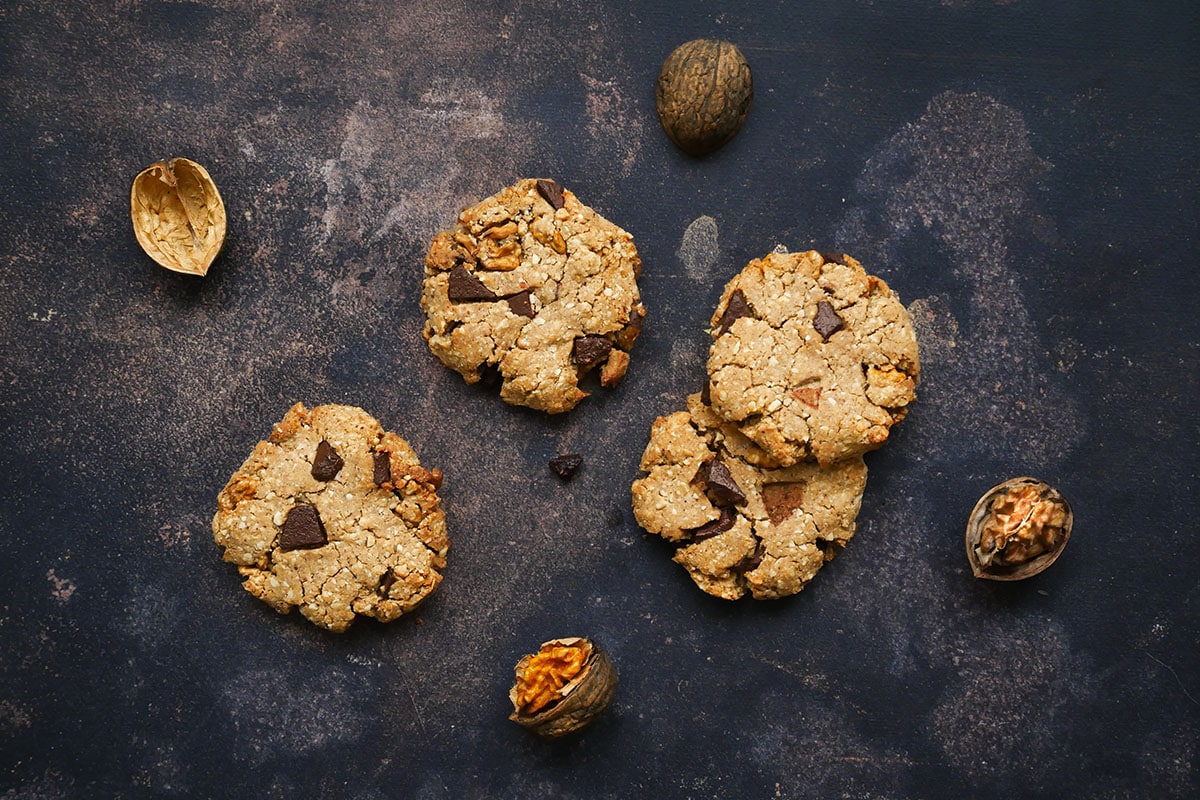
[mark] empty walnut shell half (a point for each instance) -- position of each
(178, 216)
(1017, 529)
(703, 94)
(562, 687)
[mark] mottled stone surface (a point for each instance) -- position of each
(1023, 174)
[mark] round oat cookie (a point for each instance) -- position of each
(537, 286)
(744, 523)
(813, 358)
(336, 516)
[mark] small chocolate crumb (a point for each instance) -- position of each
(327, 463)
(751, 562)
(827, 321)
(716, 479)
(551, 192)
(520, 304)
(718, 525)
(566, 465)
(386, 581)
(590, 350)
(463, 287)
(782, 499)
(302, 529)
(735, 309)
(383, 467)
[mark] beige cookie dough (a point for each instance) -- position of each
(336, 516)
(538, 286)
(745, 524)
(812, 358)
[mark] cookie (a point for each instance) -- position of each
(538, 287)
(744, 523)
(812, 358)
(336, 516)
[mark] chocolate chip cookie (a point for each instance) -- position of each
(744, 523)
(538, 287)
(812, 357)
(336, 516)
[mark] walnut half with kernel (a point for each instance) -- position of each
(562, 687)
(1017, 529)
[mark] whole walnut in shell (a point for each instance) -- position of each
(703, 95)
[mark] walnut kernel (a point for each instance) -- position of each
(562, 687)
(1017, 529)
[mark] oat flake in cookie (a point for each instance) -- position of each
(812, 358)
(336, 516)
(744, 524)
(536, 285)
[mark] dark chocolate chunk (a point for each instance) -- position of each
(466, 288)
(551, 192)
(327, 463)
(735, 309)
(719, 482)
(520, 304)
(302, 529)
(383, 467)
(706, 393)
(385, 582)
(782, 499)
(718, 525)
(490, 377)
(566, 465)
(827, 321)
(834, 258)
(751, 562)
(590, 350)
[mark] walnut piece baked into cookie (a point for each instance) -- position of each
(336, 516)
(744, 523)
(538, 286)
(812, 357)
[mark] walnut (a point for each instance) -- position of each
(178, 216)
(1017, 529)
(703, 95)
(562, 687)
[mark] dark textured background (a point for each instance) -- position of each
(1023, 173)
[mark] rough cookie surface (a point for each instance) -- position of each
(336, 516)
(744, 523)
(812, 357)
(538, 286)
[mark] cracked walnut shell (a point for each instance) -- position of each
(178, 216)
(562, 687)
(1017, 529)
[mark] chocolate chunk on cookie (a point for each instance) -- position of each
(326, 463)
(335, 516)
(534, 284)
(824, 366)
(766, 539)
